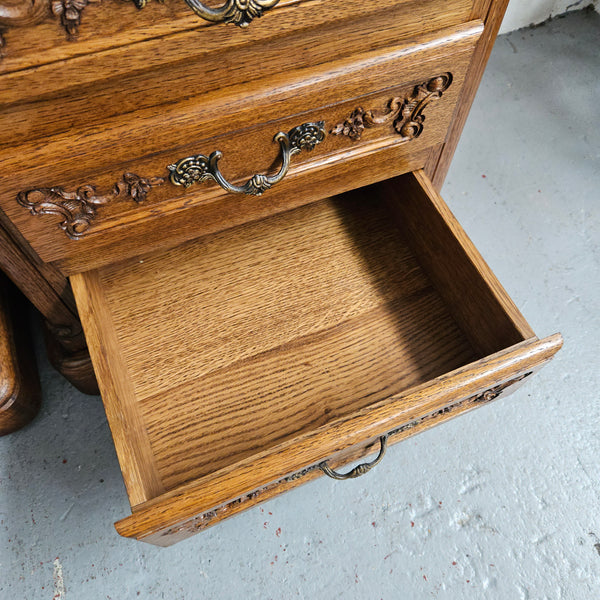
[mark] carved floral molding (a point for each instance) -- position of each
(406, 114)
(79, 208)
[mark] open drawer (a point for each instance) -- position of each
(234, 367)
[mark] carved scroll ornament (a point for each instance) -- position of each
(78, 209)
(406, 114)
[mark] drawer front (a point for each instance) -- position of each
(118, 74)
(87, 199)
(167, 533)
(94, 41)
(293, 340)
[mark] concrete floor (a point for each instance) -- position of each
(503, 503)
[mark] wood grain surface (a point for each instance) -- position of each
(478, 301)
(186, 502)
(174, 533)
(240, 341)
(96, 86)
(127, 40)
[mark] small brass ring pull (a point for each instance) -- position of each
(239, 12)
(360, 469)
(192, 169)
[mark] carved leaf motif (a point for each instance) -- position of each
(78, 209)
(406, 113)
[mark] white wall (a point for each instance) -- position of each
(521, 13)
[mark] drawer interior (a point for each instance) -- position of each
(229, 349)
(247, 338)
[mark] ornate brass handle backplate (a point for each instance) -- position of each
(239, 12)
(192, 169)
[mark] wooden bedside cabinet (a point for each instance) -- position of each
(247, 222)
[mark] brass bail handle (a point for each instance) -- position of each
(360, 469)
(192, 169)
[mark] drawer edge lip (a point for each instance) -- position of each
(183, 503)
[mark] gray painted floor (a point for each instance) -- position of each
(503, 503)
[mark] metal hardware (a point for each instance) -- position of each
(360, 469)
(192, 169)
(239, 12)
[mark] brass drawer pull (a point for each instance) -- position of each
(239, 12)
(360, 469)
(192, 169)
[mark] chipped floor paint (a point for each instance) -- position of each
(59, 582)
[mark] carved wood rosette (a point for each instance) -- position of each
(406, 114)
(79, 208)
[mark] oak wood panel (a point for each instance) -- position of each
(31, 96)
(316, 326)
(195, 219)
(129, 434)
(105, 25)
(127, 139)
(189, 500)
(477, 299)
(20, 394)
(149, 133)
(308, 288)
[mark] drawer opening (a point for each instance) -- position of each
(278, 328)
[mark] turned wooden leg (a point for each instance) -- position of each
(50, 293)
(68, 354)
(20, 392)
